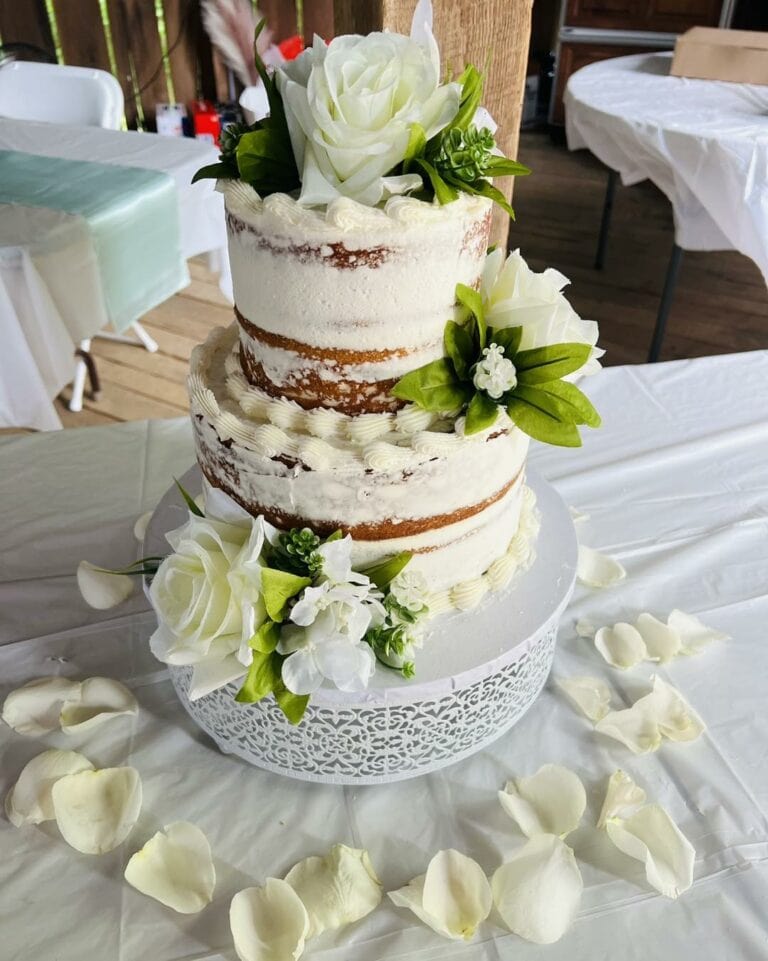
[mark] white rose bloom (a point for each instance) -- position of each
(495, 373)
(516, 296)
(350, 105)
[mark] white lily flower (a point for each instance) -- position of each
(596, 569)
(102, 590)
(591, 695)
(621, 646)
(337, 889)
(694, 635)
(175, 867)
(651, 836)
(661, 641)
(268, 923)
(140, 527)
(100, 698)
(453, 897)
(538, 891)
(96, 810)
(635, 727)
(35, 708)
(621, 795)
(29, 800)
(551, 801)
(676, 718)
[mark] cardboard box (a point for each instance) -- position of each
(708, 53)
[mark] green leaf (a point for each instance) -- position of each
(502, 167)
(445, 194)
(508, 338)
(482, 188)
(276, 109)
(265, 160)
(471, 81)
(188, 499)
(540, 365)
(580, 406)
(262, 678)
(292, 705)
(217, 171)
(278, 587)
(460, 347)
(385, 572)
(336, 536)
(473, 302)
(417, 141)
(542, 425)
(481, 413)
(433, 387)
(265, 639)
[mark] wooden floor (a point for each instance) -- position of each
(721, 304)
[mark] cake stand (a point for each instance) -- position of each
(478, 672)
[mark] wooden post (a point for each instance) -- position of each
(491, 34)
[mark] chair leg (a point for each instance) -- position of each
(81, 371)
(605, 222)
(667, 295)
(149, 342)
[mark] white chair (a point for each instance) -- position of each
(84, 96)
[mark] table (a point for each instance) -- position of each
(677, 488)
(50, 293)
(703, 143)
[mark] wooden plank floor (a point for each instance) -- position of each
(720, 306)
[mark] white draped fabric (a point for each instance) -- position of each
(676, 483)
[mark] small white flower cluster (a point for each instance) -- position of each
(495, 373)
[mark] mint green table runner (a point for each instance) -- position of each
(132, 216)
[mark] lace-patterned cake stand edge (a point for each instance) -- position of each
(477, 674)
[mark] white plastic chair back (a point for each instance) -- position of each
(59, 94)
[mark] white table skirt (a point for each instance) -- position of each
(676, 483)
(50, 292)
(703, 143)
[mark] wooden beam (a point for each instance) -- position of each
(491, 34)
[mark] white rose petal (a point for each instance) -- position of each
(29, 800)
(634, 727)
(35, 708)
(140, 527)
(96, 810)
(268, 923)
(621, 645)
(100, 699)
(585, 628)
(175, 867)
(337, 889)
(651, 836)
(211, 674)
(598, 570)
(694, 635)
(538, 891)
(453, 897)
(621, 794)
(102, 590)
(591, 695)
(661, 641)
(551, 801)
(676, 718)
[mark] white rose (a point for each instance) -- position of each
(516, 296)
(350, 105)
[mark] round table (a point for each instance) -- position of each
(703, 143)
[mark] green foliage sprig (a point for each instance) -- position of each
(540, 403)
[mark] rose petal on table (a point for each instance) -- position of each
(29, 800)
(621, 645)
(101, 698)
(453, 897)
(621, 794)
(596, 569)
(96, 810)
(101, 590)
(538, 891)
(175, 867)
(577, 516)
(651, 836)
(140, 527)
(634, 727)
(591, 695)
(35, 708)
(676, 718)
(585, 629)
(268, 923)
(694, 635)
(551, 801)
(661, 641)
(337, 889)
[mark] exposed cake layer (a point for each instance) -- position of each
(335, 306)
(394, 481)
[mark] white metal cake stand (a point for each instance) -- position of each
(477, 674)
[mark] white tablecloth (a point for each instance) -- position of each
(677, 486)
(50, 293)
(703, 143)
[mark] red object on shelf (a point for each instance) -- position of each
(291, 47)
(206, 122)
